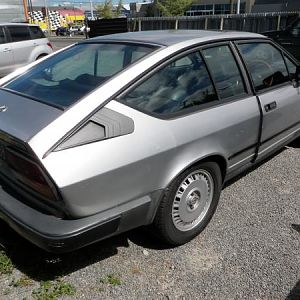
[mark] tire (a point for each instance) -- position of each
(41, 56)
(182, 213)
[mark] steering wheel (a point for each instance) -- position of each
(258, 76)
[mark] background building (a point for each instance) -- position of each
(219, 7)
(276, 6)
(12, 11)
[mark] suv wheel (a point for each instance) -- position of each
(189, 203)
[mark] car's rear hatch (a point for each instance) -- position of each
(22, 117)
(20, 170)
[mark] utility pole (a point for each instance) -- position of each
(47, 16)
(25, 10)
(92, 10)
(238, 7)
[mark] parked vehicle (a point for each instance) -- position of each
(289, 38)
(139, 128)
(63, 31)
(21, 44)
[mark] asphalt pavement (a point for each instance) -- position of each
(59, 42)
(250, 250)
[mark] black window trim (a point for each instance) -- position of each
(195, 109)
(282, 52)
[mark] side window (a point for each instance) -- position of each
(2, 36)
(19, 33)
(182, 84)
(36, 32)
(225, 71)
(292, 68)
(265, 64)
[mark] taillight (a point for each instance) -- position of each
(50, 45)
(29, 173)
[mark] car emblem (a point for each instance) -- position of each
(3, 108)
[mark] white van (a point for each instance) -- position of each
(21, 44)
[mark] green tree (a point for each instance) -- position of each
(119, 9)
(173, 7)
(106, 9)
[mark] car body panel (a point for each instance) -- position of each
(22, 117)
(157, 157)
(282, 123)
(6, 57)
(28, 51)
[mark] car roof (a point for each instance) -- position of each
(172, 37)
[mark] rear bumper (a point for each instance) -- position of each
(58, 235)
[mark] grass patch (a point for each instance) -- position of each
(52, 290)
(22, 282)
(111, 279)
(6, 265)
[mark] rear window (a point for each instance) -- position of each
(19, 33)
(36, 32)
(63, 79)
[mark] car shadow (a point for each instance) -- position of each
(252, 168)
(295, 143)
(296, 227)
(41, 265)
(294, 293)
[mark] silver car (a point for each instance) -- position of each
(21, 44)
(140, 128)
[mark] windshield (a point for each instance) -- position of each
(66, 77)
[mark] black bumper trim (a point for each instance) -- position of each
(61, 235)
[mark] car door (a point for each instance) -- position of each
(279, 98)
(6, 55)
(207, 113)
(22, 44)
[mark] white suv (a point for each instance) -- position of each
(21, 44)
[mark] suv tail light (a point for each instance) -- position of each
(50, 45)
(29, 173)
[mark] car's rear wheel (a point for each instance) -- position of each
(189, 203)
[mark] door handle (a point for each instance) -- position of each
(270, 106)
(6, 50)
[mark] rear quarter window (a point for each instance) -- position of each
(36, 32)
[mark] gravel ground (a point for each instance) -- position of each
(250, 250)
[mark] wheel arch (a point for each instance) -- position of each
(217, 158)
